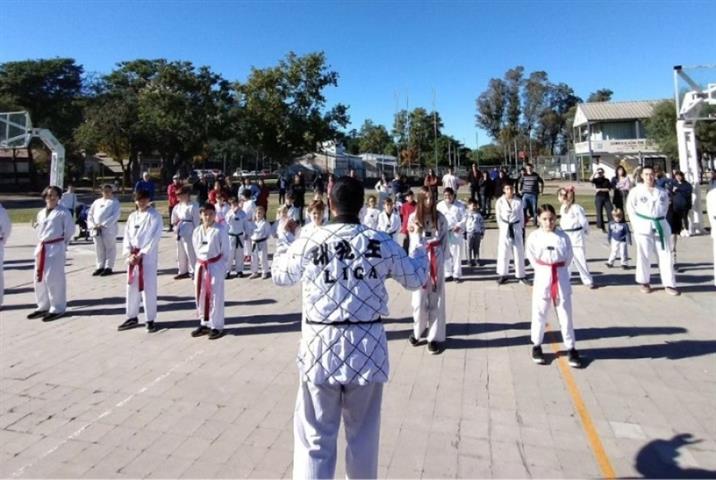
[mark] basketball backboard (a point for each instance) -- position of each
(695, 92)
(15, 129)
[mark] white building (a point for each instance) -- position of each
(609, 134)
(376, 164)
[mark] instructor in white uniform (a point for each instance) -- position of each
(647, 206)
(102, 221)
(343, 357)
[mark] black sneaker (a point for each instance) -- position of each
(625, 267)
(266, 275)
(537, 355)
(97, 272)
(609, 265)
(472, 263)
(152, 327)
(573, 359)
(200, 330)
(433, 348)
(239, 275)
(128, 324)
(458, 280)
(214, 334)
(524, 281)
(37, 314)
(501, 280)
(182, 276)
(228, 276)
(52, 316)
(448, 279)
(413, 341)
(106, 272)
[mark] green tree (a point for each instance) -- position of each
(491, 108)
(374, 138)
(661, 128)
(601, 95)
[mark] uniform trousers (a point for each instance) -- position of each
(186, 257)
(217, 273)
(429, 311)
(316, 421)
(105, 244)
(507, 249)
(260, 251)
(645, 245)
(237, 255)
(149, 296)
(51, 292)
(563, 309)
(579, 262)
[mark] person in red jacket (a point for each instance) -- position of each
(263, 196)
(173, 196)
(406, 209)
(218, 190)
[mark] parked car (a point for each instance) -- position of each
(241, 173)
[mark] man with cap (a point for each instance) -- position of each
(146, 185)
(173, 196)
(343, 358)
(102, 222)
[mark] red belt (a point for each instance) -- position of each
(204, 277)
(433, 261)
(554, 281)
(41, 261)
(140, 266)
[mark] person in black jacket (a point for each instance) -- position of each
(298, 190)
(681, 203)
(473, 179)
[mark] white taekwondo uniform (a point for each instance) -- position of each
(102, 221)
(711, 212)
(455, 216)
(221, 213)
(5, 229)
(249, 208)
(284, 238)
(239, 228)
(54, 232)
(141, 236)
(369, 217)
(550, 254)
(343, 357)
(213, 250)
(574, 223)
(185, 217)
(259, 246)
(389, 225)
(428, 302)
(511, 221)
(647, 214)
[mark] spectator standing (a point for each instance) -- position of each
(473, 180)
(173, 196)
(69, 200)
(408, 207)
(431, 182)
(531, 186)
(621, 183)
(396, 187)
(319, 185)
(263, 196)
(282, 187)
(383, 190)
(201, 190)
(601, 198)
(681, 203)
(451, 181)
(298, 190)
(329, 189)
(216, 192)
(146, 184)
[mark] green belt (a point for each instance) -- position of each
(657, 226)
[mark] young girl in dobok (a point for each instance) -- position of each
(574, 223)
(427, 226)
(316, 218)
(286, 229)
(549, 250)
(369, 214)
(238, 229)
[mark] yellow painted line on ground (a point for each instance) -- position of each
(595, 441)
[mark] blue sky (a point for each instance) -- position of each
(387, 53)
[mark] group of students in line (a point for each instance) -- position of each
(214, 240)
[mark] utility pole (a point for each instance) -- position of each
(435, 132)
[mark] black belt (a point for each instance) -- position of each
(344, 322)
(256, 242)
(510, 227)
(239, 243)
(576, 229)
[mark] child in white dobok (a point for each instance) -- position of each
(647, 206)
(511, 222)
(259, 245)
(141, 247)
(102, 221)
(573, 221)
(317, 217)
(369, 214)
(285, 228)
(248, 205)
(389, 219)
(185, 218)
(454, 213)
(213, 250)
(5, 229)
(239, 226)
(428, 227)
(54, 226)
(549, 250)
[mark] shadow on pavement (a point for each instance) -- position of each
(671, 350)
(657, 459)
